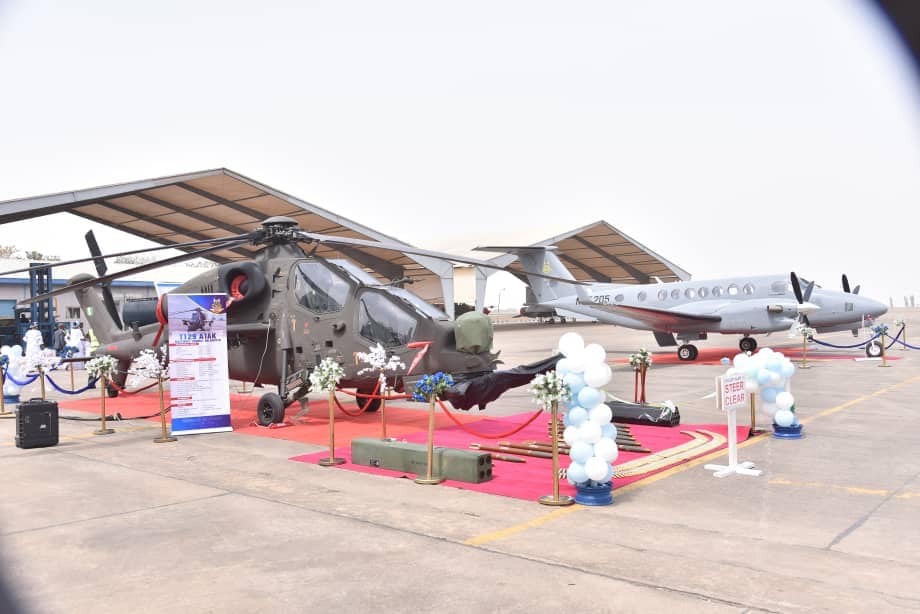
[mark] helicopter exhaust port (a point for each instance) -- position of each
(242, 281)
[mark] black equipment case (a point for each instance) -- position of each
(37, 424)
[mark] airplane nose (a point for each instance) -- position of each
(876, 308)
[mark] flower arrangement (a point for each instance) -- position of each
(377, 360)
(101, 366)
(900, 323)
(4, 362)
(880, 329)
(430, 387)
(642, 358)
(326, 375)
(549, 388)
(45, 360)
(148, 365)
(69, 351)
(804, 330)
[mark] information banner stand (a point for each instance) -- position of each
(199, 379)
(731, 396)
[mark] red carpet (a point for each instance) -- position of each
(528, 480)
(531, 479)
(712, 356)
(314, 427)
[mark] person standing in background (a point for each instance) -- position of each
(33, 340)
(59, 339)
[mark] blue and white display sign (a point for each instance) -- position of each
(199, 381)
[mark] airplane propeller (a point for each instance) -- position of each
(804, 307)
(846, 285)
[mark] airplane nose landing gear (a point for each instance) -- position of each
(747, 344)
(687, 352)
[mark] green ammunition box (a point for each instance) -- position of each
(449, 463)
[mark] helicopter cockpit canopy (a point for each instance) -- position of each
(319, 288)
(411, 299)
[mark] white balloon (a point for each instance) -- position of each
(595, 354)
(596, 468)
(731, 371)
(769, 409)
(571, 343)
(590, 431)
(784, 400)
(606, 449)
(601, 414)
(570, 435)
(783, 417)
(577, 361)
(751, 385)
(562, 367)
(776, 380)
(598, 375)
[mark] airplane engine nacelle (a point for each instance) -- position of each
(242, 281)
(741, 319)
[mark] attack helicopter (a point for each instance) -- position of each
(290, 308)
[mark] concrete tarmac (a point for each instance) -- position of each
(225, 523)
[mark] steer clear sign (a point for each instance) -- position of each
(731, 392)
(199, 380)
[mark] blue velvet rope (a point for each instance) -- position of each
(28, 381)
(904, 343)
(90, 386)
(846, 347)
(894, 339)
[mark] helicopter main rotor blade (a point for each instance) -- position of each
(415, 251)
(130, 253)
(133, 271)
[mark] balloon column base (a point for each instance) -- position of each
(787, 432)
(594, 495)
(560, 501)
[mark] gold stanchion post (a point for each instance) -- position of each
(882, 343)
(41, 380)
(102, 430)
(904, 338)
(383, 406)
(429, 479)
(165, 437)
(72, 385)
(753, 415)
(3, 411)
(331, 460)
(804, 364)
(555, 499)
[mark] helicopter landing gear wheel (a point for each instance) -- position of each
(747, 344)
(873, 349)
(270, 409)
(362, 400)
(687, 352)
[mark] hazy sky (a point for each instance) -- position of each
(730, 137)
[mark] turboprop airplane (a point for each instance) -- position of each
(689, 310)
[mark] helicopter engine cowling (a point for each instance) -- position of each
(242, 281)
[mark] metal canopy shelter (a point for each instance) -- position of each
(597, 252)
(217, 203)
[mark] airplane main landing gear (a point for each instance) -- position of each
(687, 352)
(747, 344)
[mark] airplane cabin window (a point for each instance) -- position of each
(778, 287)
(380, 319)
(690, 293)
(618, 298)
(662, 295)
(642, 295)
(848, 306)
(675, 294)
(733, 290)
(319, 289)
(717, 291)
(703, 292)
(748, 289)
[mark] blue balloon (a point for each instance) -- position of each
(763, 377)
(565, 419)
(581, 452)
(589, 397)
(576, 473)
(775, 363)
(769, 394)
(575, 382)
(577, 416)
(609, 431)
(563, 368)
(788, 369)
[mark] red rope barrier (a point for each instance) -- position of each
(123, 391)
(483, 435)
(370, 399)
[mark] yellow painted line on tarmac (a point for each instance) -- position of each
(503, 533)
(530, 524)
(853, 490)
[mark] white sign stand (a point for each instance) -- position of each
(731, 396)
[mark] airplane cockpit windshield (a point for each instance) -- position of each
(319, 288)
(414, 301)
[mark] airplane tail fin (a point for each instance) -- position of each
(542, 259)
